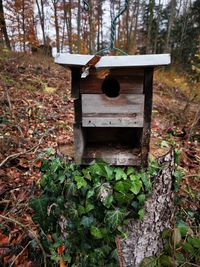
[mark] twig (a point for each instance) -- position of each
(31, 232)
(13, 156)
(16, 155)
(21, 252)
(189, 263)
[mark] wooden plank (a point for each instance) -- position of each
(134, 61)
(92, 84)
(123, 104)
(77, 111)
(148, 91)
(73, 59)
(79, 142)
(136, 121)
(114, 61)
(75, 82)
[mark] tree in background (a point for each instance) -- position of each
(147, 26)
(3, 26)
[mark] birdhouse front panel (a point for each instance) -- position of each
(113, 105)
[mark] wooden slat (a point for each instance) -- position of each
(123, 111)
(79, 142)
(130, 82)
(148, 91)
(123, 104)
(75, 82)
(112, 122)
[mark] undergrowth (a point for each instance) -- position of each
(81, 211)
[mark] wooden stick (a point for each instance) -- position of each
(31, 232)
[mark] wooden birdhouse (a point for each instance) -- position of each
(113, 106)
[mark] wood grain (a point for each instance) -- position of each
(130, 81)
(126, 110)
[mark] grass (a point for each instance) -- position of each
(181, 81)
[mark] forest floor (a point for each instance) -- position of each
(36, 113)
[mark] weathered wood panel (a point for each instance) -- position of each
(79, 142)
(112, 122)
(123, 104)
(126, 110)
(75, 82)
(130, 81)
(148, 91)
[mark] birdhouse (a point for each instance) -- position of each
(113, 106)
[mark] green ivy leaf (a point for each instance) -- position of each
(88, 207)
(97, 169)
(146, 181)
(81, 182)
(115, 217)
(90, 193)
(141, 214)
(55, 165)
(178, 176)
(123, 198)
(176, 236)
(86, 173)
(141, 198)
(40, 205)
(136, 184)
(109, 172)
(130, 170)
(120, 174)
(179, 257)
(188, 248)
(81, 210)
(70, 189)
(164, 144)
(108, 201)
(87, 221)
(183, 227)
(96, 232)
(167, 261)
(61, 178)
(122, 186)
(194, 241)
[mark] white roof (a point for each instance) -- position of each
(114, 61)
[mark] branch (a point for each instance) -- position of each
(16, 155)
(31, 232)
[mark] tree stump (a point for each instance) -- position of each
(144, 236)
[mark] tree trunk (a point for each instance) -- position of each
(170, 24)
(41, 18)
(55, 3)
(150, 22)
(144, 236)
(3, 26)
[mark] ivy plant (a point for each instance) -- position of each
(82, 210)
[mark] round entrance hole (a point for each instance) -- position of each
(111, 87)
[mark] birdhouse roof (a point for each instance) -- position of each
(77, 60)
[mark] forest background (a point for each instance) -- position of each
(146, 27)
(36, 111)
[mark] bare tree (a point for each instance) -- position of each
(40, 7)
(3, 26)
(170, 24)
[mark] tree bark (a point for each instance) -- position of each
(41, 18)
(170, 24)
(55, 3)
(3, 26)
(144, 236)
